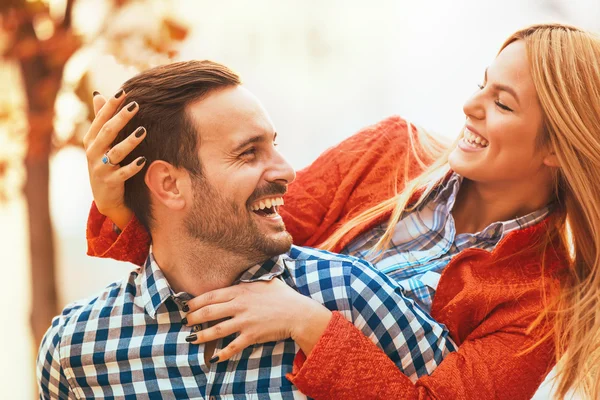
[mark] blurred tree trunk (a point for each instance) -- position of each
(41, 55)
(41, 64)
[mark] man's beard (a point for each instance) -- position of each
(224, 224)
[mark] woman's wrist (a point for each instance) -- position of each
(307, 331)
(119, 216)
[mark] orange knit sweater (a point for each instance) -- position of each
(486, 299)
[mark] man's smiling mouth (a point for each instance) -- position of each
(267, 207)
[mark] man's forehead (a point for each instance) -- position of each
(229, 113)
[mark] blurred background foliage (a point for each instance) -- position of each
(45, 58)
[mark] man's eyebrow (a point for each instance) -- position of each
(251, 140)
(505, 88)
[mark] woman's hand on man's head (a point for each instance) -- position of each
(107, 177)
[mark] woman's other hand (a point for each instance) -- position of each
(261, 312)
(107, 177)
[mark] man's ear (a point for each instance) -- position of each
(165, 182)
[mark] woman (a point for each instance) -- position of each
(516, 295)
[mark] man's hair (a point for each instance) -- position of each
(163, 94)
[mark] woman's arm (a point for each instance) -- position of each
(109, 215)
(345, 364)
(354, 175)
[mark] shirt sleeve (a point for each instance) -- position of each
(413, 340)
(131, 245)
(51, 378)
(345, 364)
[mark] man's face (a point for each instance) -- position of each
(243, 178)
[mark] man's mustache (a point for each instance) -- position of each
(270, 189)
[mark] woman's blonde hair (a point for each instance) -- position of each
(565, 67)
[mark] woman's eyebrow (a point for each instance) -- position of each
(501, 87)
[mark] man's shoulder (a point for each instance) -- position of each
(81, 312)
(308, 255)
(307, 260)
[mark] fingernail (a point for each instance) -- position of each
(140, 131)
(184, 321)
(191, 338)
(185, 308)
(96, 93)
(214, 359)
(131, 106)
(140, 162)
(119, 93)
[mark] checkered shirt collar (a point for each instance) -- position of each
(266, 271)
(156, 289)
(448, 192)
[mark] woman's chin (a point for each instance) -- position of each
(456, 162)
(461, 166)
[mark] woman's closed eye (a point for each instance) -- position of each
(497, 101)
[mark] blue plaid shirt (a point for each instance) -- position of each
(129, 341)
(425, 241)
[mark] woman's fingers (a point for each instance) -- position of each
(236, 346)
(98, 101)
(130, 169)
(217, 331)
(215, 296)
(111, 129)
(103, 114)
(119, 151)
(211, 313)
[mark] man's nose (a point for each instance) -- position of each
(280, 171)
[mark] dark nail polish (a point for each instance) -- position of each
(96, 93)
(191, 338)
(214, 359)
(140, 162)
(119, 93)
(140, 131)
(185, 308)
(132, 106)
(184, 321)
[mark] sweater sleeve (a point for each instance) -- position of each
(350, 177)
(131, 245)
(345, 364)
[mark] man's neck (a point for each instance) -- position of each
(479, 205)
(197, 268)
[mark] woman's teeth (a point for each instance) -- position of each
(475, 139)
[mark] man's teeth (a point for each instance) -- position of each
(267, 203)
(474, 138)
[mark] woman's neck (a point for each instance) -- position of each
(479, 205)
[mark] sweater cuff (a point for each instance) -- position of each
(130, 245)
(311, 373)
(100, 233)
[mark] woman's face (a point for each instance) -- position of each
(504, 120)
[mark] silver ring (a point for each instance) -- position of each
(106, 160)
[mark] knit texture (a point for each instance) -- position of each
(486, 299)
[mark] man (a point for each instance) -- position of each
(209, 196)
